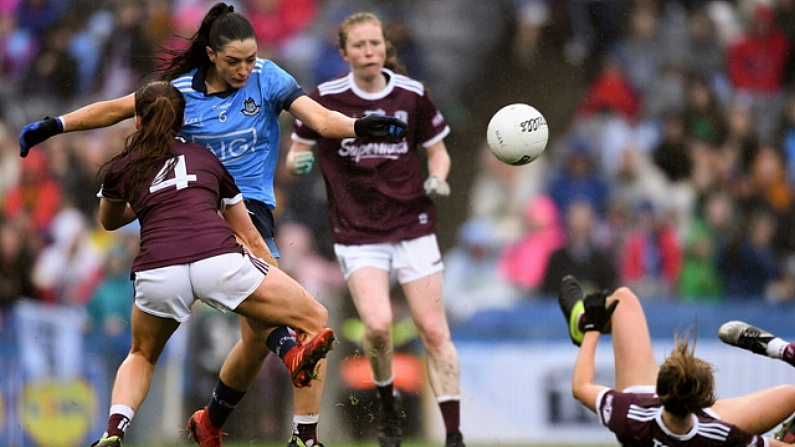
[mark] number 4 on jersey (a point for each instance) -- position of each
(180, 179)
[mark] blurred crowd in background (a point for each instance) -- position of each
(672, 171)
(670, 167)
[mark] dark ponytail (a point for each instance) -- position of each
(685, 383)
(160, 107)
(220, 26)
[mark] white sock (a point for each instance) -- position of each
(384, 382)
(123, 410)
(776, 347)
(305, 419)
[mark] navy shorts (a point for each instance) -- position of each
(262, 216)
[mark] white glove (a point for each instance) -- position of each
(302, 162)
(436, 187)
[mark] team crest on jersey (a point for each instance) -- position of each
(250, 108)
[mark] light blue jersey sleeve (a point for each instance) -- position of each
(283, 89)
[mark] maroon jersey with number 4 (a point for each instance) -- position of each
(375, 189)
(179, 213)
(636, 420)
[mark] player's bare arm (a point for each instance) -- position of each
(438, 160)
(92, 116)
(115, 214)
(582, 386)
(246, 232)
(438, 167)
(332, 124)
(327, 123)
(100, 114)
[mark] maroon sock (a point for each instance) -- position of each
(117, 425)
(789, 354)
(451, 413)
(306, 433)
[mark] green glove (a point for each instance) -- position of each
(303, 161)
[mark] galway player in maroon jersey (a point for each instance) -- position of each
(672, 405)
(190, 252)
(382, 213)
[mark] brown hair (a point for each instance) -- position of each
(685, 383)
(391, 62)
(160, 107)
(220, 26)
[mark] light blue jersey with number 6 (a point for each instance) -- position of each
(241, 126)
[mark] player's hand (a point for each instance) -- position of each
(302, 162)
(35, 133)
(436, 187)
(380, 127)
(596, 314)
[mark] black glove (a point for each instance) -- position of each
(380, 127)
(35, 133)
(596, 314)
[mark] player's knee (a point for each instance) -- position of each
(322, 315)
(625, 296)
(142, 356)
(434, 337)
(379, 334)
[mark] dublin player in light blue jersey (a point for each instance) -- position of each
(233, 102)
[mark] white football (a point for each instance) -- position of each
(517, 134)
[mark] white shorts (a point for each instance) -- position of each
(222, 282)
(410, 260)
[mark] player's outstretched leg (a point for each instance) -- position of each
(745, 336)
(301, 360)
(307, 403)
(570, 298)
(756, 340)
(777, 402)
